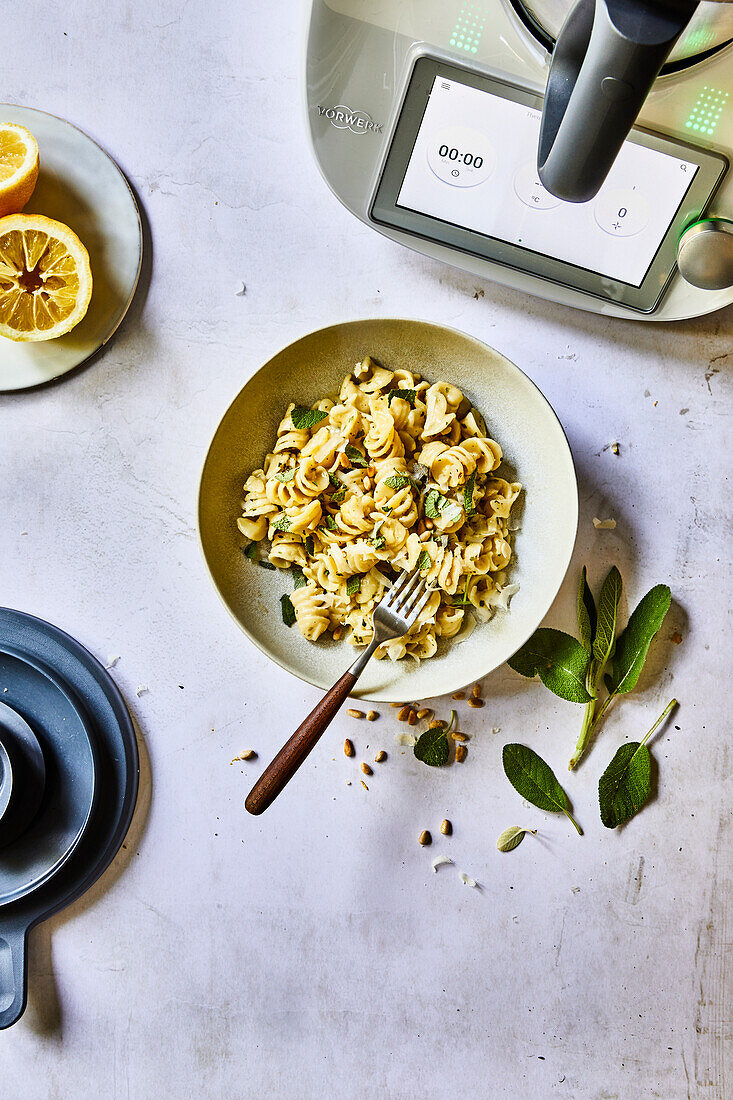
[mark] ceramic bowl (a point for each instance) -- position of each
(517, 415)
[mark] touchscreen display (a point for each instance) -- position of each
(473, 166)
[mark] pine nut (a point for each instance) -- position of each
(337, 634)
(348, 747)
(476, 703)
(425, 536)
(249, 754)
(459, 736)
(372, 716)
(426, 712)
(366, 769)
(461, 752)
(404, 714)
(476, 691)
(397, 705)
(411, 718)
(365, 482)
(370, 470)
(380, 757)
(364, 785)
(344, 461)
(429, 524)
(446, 828)
(424, 838)
(436, 725)
(458, 695)
(356, 713)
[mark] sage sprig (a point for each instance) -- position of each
(574, 670)
(625, 785)
(512, 837)
(535, 780)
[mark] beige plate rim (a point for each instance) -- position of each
(388, 693)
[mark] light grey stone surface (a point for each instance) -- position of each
(313, 952)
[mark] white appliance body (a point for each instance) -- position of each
(362, 57)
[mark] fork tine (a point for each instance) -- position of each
(396, 588)
(415, 609)
(407, 593)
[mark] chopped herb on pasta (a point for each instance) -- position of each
(419, 491)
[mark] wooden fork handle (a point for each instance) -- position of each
(282, 769)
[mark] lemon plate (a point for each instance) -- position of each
(517, 415)
(80, 185)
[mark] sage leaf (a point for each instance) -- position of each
(406, 395)
(633, 644)
(264, 564)
(432, 747)
(624, 786)
(586, 613)
(535, 780)
(432, 510)
(299, 579)
(355, 456)
(250, 551)
(303, 417)
(607, 610)
(397, 481)
(288, 611)
(424, 561)
(468, 494)
(353, 585)
(285, 475)
(282, 523)
(512, 837)
(559, 660)
(330, 522)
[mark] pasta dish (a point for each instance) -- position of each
(394, 474)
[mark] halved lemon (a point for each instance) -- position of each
(45, 278)
(18, 167)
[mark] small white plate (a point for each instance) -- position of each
(80, 185)
(517, 416)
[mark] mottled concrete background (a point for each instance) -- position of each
(313, 953)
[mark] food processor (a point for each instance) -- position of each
(606, 187)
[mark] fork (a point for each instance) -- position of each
(396, 613)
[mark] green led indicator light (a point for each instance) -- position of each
(466, 34)
(706, 112)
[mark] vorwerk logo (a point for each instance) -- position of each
(343, 118)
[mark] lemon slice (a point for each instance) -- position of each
(18, 167)
(45, 278)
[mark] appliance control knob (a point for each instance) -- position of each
(705, 254)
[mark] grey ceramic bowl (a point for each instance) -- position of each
(517, 416)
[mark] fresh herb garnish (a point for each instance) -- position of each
(574, 669)
(406, 395)
(397, 481)
(535, 780)
(424, 561)
(624, 786)
(559, 660)
(309, 548)
(437, 506)
(282, 523)
(330, 522)
(264, 564)
(378, 542)
(468, 498)
(353, 585)
(340, 488)
(432, 746)
(303, 417)
(299, 578)
(512, 837)
(285, 475)
(431, 504)
(355, 456)
(288, 610)
(250, 551)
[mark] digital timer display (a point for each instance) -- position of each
(465, 158)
